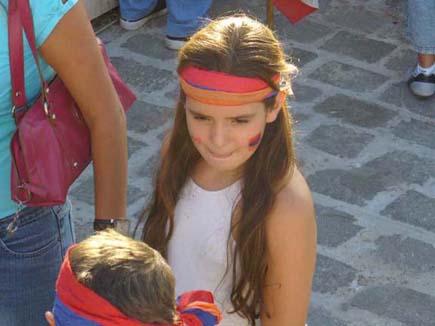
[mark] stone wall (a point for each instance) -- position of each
(99, 7)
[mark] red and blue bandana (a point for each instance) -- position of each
(219, 88)
(75, 304)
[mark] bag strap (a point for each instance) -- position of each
(19, 19)
(15, 39)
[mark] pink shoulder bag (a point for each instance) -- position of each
(51, 145)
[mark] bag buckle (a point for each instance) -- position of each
(51, 116)
(16, 110)
(29, 195)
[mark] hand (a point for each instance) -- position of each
(50, 318)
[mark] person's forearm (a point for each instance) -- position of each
(109, 153)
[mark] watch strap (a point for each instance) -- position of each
(120, 225)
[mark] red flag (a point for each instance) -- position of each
(295, 10)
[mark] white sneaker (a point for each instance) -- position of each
(422, 85)
(175, 43)
(131, 25)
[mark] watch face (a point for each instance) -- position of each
(122, 226)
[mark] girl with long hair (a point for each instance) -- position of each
(230, 211)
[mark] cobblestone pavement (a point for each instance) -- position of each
(365, 144)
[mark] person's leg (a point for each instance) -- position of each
(426, 60)
(136, 9)
(185, 18)
(421, 24)
(135, 13)
(29, 263)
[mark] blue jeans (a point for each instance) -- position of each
(29, 263)
(184, 18)
(421, 25)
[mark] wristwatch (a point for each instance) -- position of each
(121, 225)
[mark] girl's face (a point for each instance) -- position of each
(227, 136)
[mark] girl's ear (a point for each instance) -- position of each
(279, 102)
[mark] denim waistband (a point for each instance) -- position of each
(29, 214)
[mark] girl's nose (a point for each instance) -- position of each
(218, 134)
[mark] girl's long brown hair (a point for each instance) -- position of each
(240, 46)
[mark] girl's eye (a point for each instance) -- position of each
(201, 118)
(240, 121)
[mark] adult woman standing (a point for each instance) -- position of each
(30, 258)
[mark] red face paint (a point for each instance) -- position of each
(254, 141)
(196, 140)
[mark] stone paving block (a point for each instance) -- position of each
(360, 113)
(401, 166)
(400, 95)
(405, 305)
(319, 316)
(300, 57)
(226, 7)
(305, 93)
(339, 140)
(150, 46)
(85, 192)
(348, 77)
(82, 231)
(174, 94)
(134, 194)
(420, 132)
(330, 275)
(358, 47)
(385, 172)
(395, 12)
(304, 32)
(149, 168)
(134, 145)
(298, 117)
(406, 254)
(111, 33)
(163, 134)
(144, 116)
(105, 21)
(396, 9)
(334, 227)
(414, 208)
(143, 77)
(402, 61)
(393, 31)
(352, 187)
(355, 17)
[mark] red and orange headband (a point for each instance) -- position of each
(219, 88)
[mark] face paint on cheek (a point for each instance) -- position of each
(197, 140)
(254, 141)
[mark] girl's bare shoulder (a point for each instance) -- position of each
(293, 206)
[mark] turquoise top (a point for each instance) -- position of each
(46, 15)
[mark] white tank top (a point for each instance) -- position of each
(197, 251)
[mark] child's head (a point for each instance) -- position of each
(234, 78)
(130, 275)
